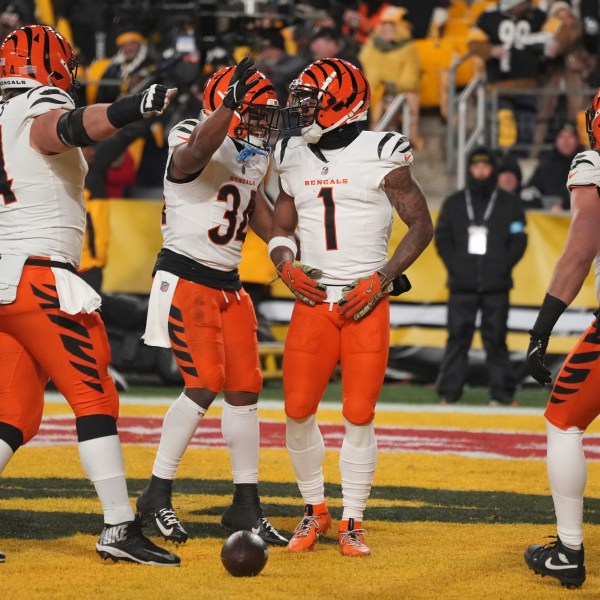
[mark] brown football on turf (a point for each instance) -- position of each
(244, 554)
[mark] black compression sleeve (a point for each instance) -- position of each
(71, 130)
(550, 312)
(124, 111)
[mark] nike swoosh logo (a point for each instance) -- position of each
(255, 530)
(163, 529)
(552, 567)
(572, 174)
(185, 139)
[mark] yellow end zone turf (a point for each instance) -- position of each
(441, 527)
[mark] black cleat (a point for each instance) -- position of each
(555, 560)
(236, 518)
(2, 557)
(163, 517)
(127, 542)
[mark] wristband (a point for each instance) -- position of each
(550, 312)
(124, 111)
(279, 241)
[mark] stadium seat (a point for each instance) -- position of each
(93, 74)
(436, 58)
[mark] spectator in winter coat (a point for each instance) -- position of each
(480, 236)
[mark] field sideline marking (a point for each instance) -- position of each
(56, 398)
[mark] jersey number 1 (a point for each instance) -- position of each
(326, 194)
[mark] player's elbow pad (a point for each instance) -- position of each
(71, 130)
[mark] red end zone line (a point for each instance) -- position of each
(60, 430)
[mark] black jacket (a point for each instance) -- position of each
(506, 242)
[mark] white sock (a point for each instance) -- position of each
(241, 432)
(358, 458)
(307, 450)
(567, 472)
(102, 462)
(179, 427)
(6, 453)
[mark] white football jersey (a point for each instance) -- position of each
(42, 211)
(344, 215)
(206, 218)
(585, 172)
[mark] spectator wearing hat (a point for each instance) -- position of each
(480, 237)
(392, 65)
(12, 16)
(567, 66)
(546, 187)
(279, 66)
(328, 42)
(130, 65)
(510, 176)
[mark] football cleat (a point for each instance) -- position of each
(351, 539)
(163, 517)
(316, 521)
(2, 557)
(556, 560)
(237, 518)
(127, 542)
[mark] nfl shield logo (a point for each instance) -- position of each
(164, 286)
(324, 170)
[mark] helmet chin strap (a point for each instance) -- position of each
(313, 132)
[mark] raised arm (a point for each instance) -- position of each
(207, 137)
(59, 130)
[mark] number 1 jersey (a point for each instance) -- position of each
(344, 215)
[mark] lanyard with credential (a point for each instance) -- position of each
(488, 209)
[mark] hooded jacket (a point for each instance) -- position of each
(506, 239)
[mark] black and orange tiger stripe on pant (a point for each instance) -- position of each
(38, 342)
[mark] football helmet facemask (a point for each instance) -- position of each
(256, 120)
(328, 94)
(37, 55)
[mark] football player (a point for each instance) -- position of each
(49, 325)
(574, 402)
(339, 186)
(213, 193)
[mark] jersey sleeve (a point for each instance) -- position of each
(280, 164)
(393, 151)
(181, 133)
(40, 100)
(585, 170)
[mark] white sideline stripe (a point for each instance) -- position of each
(56, 398)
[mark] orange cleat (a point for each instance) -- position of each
(351, 539)
(316, 521)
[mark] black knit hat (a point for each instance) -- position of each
(481, 154)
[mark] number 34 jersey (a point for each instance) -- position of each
(206, 218)
(344, 215)
(42, 211)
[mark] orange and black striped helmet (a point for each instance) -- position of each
(329, 93)
(257, 117)
(37, 55)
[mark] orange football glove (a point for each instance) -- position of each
(301, 279)
(362, 295)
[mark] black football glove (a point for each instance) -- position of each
(239, 84)
(154, 100)
(535, 358)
